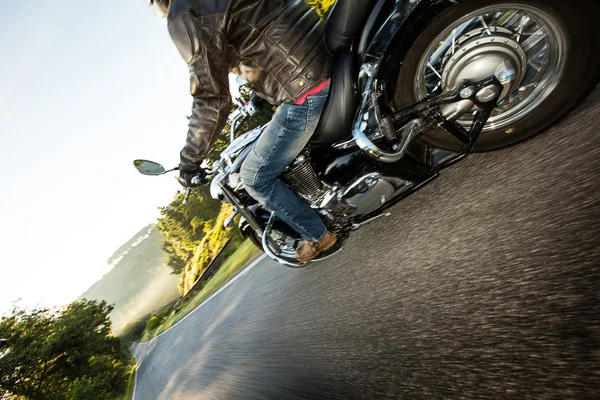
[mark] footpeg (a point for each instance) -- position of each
(229, 221)
(271, 253)
(357, 225)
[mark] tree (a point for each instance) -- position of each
(182, 225)
(322, 6)
(61, 354)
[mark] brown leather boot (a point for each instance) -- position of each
(309, 250)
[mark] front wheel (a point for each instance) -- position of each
(542, 51)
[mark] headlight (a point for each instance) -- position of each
(215, 189)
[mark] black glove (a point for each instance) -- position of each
(192, 178)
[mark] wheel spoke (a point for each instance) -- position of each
(487, 29)
(524, 21)
(534, 39)
(539, 54)
(453, 41)
(509, 19)
(434, 70)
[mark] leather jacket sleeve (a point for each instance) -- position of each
(203, 48)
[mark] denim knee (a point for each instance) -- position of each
(247, 175)
(252, 183)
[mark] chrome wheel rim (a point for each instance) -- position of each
(528, 39)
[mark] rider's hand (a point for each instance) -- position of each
(192, 178)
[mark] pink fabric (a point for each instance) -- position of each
(314, 90)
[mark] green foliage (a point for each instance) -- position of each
(153, 323)
(133, 331)
(62, 354)
(194, 231)
(235, 256)
(182, 225)
(207, 249)
(130, 384)
(139, 282)
(261, 117)
(322, 6)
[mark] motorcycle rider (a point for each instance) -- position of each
(277, 46)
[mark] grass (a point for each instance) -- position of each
(130, 384)
(233, 264)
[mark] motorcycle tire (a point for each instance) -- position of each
(578, 76)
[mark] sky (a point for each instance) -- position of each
(86, 87)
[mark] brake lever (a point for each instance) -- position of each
(196, 182)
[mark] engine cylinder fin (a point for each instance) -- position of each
(303, 178)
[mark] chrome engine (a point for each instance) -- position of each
(301, 176)
(363, 195)
(369, 192)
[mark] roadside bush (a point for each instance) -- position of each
(153, 323)
(133, 332)
(62, 353)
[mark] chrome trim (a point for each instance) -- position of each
(240, 143)
(536, 72)
(358, 225)
(346, 200)
(374, 176)
(228, 223)
(384, 156)
(267, 249)
(344, 145)
(215, 187)
(368, 82)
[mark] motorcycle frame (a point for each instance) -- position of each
(380, 52)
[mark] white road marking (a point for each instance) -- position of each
(235, 278)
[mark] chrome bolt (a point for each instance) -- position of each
(487, 93)
(467, 92)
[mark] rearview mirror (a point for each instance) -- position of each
(149, 167)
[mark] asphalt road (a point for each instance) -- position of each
(483, 285)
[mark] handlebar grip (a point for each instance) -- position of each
(196, 180)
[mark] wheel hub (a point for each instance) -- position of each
(475, 58)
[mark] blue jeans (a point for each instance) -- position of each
(282, 140)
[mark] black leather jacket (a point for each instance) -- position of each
(276, 45)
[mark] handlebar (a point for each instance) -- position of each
(246, 110)
(195, 181)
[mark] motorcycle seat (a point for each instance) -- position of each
(343, 25)
(336, 119)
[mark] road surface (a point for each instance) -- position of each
(483, 285)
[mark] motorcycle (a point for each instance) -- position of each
(416, 86)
